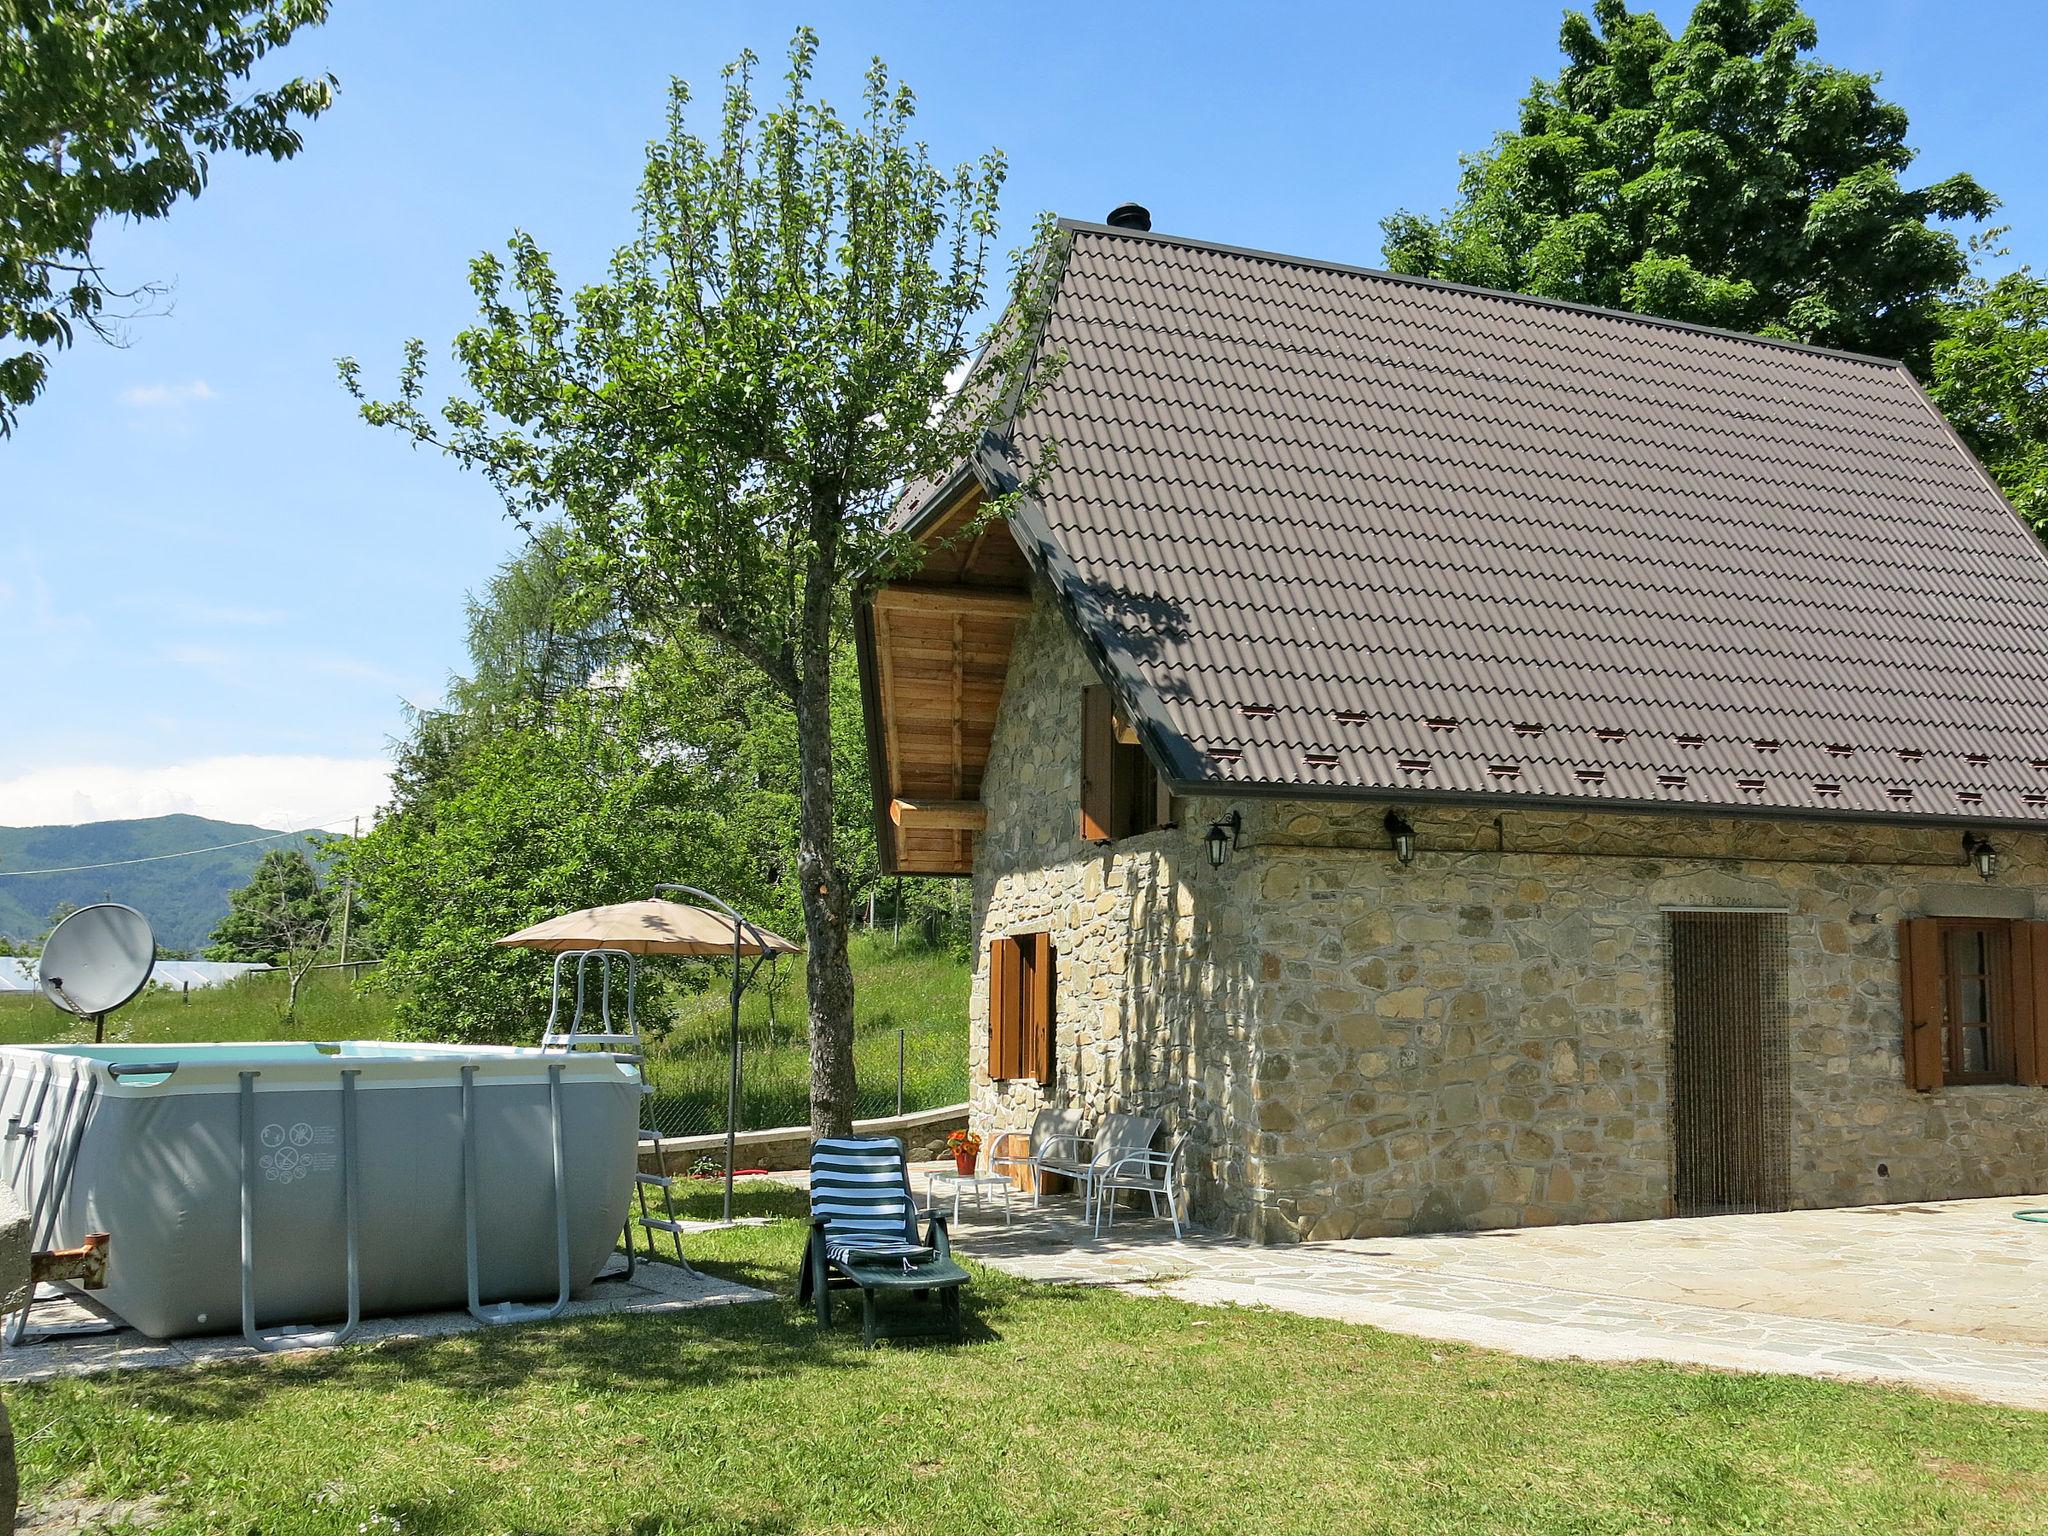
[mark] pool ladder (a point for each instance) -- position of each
(623, 1045)
(39, 1169)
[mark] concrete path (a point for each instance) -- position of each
(1947, 1298)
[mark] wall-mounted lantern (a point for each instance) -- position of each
(1978, 851)
(1223, 837)
(1403, 837)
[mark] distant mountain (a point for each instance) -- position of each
(183, 898)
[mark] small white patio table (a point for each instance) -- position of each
(975, 1184)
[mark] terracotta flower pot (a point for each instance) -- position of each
(964, 1161)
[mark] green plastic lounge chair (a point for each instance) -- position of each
(864, 1234)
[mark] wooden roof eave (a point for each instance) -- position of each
(871, 716)
(970, 479)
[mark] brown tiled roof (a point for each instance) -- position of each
(1338, 531)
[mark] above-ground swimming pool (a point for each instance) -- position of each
(281, 1189)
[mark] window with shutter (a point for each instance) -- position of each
(1021, 989)
(1976, 1000)
(1121, 796)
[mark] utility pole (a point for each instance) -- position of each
(348, 893)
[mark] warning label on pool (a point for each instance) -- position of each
(294, 1151)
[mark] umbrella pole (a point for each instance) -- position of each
(732, 1088)
(740, 929)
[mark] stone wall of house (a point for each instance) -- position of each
(1482, 1038)
(1479, 1038)
(1153, 1011)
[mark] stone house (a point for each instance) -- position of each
(1469, 760)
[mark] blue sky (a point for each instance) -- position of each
(221, 586)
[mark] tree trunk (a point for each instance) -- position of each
(828, 974)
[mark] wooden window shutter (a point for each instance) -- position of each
(1098, 764)
(1162, 803)
(2030, 1003)
(1027, 1012)
(1005, 1010)
(1039, 1010)
(1920, 993)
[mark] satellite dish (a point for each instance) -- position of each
(97, 959)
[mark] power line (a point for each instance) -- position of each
(153, 858)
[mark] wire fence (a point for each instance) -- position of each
(896, 1071)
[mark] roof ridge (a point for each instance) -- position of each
(1254, 253)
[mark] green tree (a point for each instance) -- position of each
(111, 108)
(698, 755)
(527, 822)
(727, 418)
(283, 916)
(535, 637)
(739, 734)
(1991, 380)
(1721, 177)
(538, 634)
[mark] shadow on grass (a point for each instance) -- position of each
(455, 1517)
(704, 1199)
(696, 1351)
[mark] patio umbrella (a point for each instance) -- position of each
(658, 927)
(653, 927)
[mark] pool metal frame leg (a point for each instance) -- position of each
(292, 1335)
(511, 1311)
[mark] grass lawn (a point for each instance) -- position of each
(922, 992)
(1069, 1410)
(249, 1009)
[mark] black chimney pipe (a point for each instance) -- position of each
(1130, 216)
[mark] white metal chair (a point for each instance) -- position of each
(1050, 1128)
(1085, 1159)
(1155, 1175)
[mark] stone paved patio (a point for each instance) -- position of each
(1946, 1297)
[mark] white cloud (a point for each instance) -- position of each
(279, 790)
(146, 396)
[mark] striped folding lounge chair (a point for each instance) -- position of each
(864, 1233)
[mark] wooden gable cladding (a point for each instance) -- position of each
(986, 556)
(935, 655)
